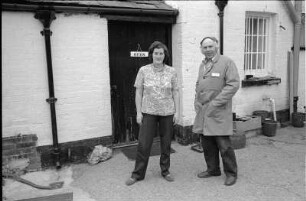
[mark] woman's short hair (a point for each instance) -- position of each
(158, 45)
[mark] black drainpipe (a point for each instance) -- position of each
(46, 17)
(221, 5)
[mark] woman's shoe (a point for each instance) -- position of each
(130, 181)
(169, 178)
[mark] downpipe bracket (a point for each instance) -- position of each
(51, 100)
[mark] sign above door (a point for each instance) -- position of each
(139, 54)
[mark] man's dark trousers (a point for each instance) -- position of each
(212, 145)
(147, 132)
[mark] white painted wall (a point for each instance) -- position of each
(249, 99)
(81, 68)
(198, 19)
(81, 77)
(195, 21)
(302, 84)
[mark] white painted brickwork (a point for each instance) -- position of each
(81, 77)
(195, 20)
(198, 19)
(302, 84)
(81, 67)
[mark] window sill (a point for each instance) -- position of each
(260, 81)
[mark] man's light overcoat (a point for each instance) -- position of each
(214, 91)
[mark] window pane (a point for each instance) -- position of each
(246, 26)
(253, 61)
(259, 63)
(249, 61)
(250, 25)
(254, 45)
(245, 61)
(260, 27)
(255, 28)
(265, 27)
(249, 44)
(260, 44)
(264, 45)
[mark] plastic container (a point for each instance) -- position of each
(298, 119)
(262, 113)
(269, 128)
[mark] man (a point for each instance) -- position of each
(218, 81)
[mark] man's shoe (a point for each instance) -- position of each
(230, 180)
(130, 181)
(206, 174)
(169, 178)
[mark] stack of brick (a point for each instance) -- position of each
(21, 147)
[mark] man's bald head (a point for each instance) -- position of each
(209, 38)
(209, 47)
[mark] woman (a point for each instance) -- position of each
(157, 104)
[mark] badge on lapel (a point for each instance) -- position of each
(215, 74)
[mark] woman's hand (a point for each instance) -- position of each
(175, 118)
(139, 118)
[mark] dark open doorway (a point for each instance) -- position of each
(125, 37)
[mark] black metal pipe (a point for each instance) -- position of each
(46, 17)
(221, 14)
(221, 5)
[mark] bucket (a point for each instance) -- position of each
(269, 128)
(298, 119)
(262, 113)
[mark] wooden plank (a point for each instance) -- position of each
(57, 197)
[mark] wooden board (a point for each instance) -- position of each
(57, 197)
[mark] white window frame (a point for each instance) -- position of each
(267, 34)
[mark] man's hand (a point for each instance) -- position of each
(139, 118)
(197, 106)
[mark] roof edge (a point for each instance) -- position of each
(33, 7)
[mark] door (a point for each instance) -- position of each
(125, 37)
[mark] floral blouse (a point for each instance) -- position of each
(157, 98)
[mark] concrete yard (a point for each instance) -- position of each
(269, 169)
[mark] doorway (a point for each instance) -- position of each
(125, 37)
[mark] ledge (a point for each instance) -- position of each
(260, 81)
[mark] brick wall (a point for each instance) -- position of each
(21, 147)
(16, 148)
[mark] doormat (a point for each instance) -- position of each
(130, 152)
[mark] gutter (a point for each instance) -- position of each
(89, 9)
(46, 18)
(295, 14)
(221, 5)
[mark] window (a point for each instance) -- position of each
(256, 43)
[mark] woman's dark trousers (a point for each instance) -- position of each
(212, 145)
(147, 132)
